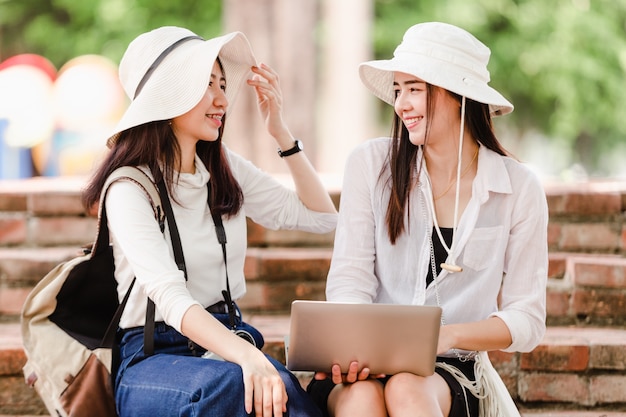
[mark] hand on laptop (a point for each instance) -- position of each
(350, 377)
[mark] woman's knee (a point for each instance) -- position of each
(361, 398)
(399, 385)
(407, 391)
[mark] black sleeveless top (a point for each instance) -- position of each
(440, 252)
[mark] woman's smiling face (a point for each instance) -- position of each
(204, 120)
(411, 106)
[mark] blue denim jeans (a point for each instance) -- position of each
(175, 381)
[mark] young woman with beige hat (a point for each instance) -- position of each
(181, 87)
(439, 214)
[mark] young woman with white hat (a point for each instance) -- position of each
(181, 87)
(438, 214)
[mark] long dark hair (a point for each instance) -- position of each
(402, 156)
(154, 145)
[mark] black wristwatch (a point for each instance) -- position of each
(297, 147)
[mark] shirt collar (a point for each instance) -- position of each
(492, 175)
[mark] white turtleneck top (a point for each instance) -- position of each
(142, 251)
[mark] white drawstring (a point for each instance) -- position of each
(452, 266)
(494, 399)
(472, 386)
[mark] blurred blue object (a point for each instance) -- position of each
(15, 163)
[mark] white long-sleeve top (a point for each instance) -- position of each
(502, 243)
(142, 251)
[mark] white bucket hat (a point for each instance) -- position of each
(165, 72)
(442, 55)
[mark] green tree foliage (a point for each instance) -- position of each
(63, 29)
(561, 62)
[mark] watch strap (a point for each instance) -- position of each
(297, 147)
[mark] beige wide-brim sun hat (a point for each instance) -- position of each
(442, 55)
(165, 73)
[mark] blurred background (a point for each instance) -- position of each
(562, 63)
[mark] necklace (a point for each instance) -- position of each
(462, 175)
(459, 355)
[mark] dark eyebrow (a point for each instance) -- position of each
(410, 82)
(222, 78)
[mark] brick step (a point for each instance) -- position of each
(584, 217)
(586, 289)
(573, 368)
(583, 289)
(40, 212)
(277, 276)
(274, 276)
(22, 268)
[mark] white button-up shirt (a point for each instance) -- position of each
(501, 244)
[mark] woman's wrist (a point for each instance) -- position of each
(452, 335)
(283, 137)
(295, 148)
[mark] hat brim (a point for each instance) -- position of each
(378, 77)
(181, 80)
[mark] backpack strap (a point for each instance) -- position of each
(144, 182)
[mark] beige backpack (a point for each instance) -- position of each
(70, 318)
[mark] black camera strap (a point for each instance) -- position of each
(178, 251)
(177, 247)
(221, 238)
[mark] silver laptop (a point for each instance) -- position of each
(386, 338)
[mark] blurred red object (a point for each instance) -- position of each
(34, 60)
